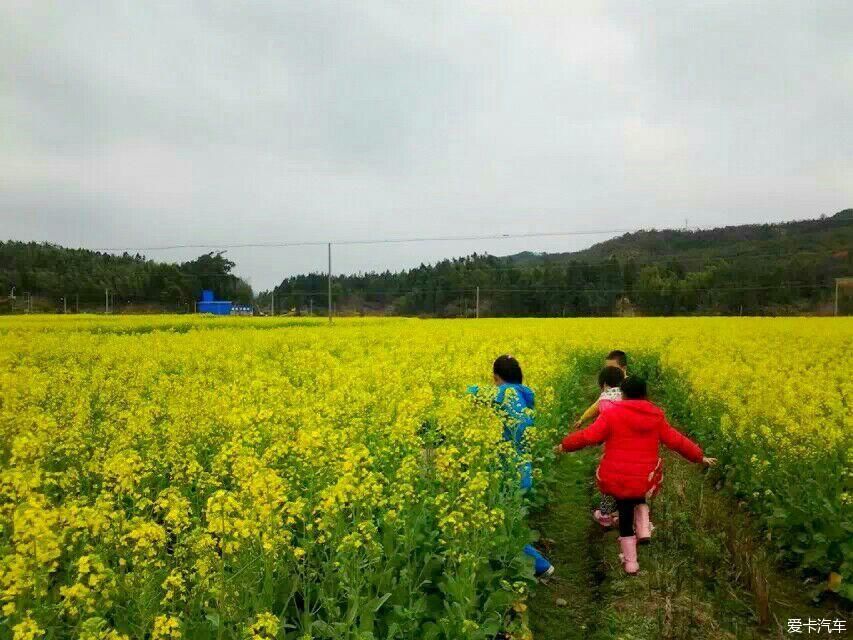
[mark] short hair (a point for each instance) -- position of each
(634, 388)
(508, 369)
(610, 376)
(619, 356)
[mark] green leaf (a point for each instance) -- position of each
(377, 603)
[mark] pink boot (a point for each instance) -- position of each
(628, 545)
(642, 525)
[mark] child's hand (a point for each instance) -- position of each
(709, 462)
(558, 449)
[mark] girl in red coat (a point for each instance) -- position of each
(631, 469)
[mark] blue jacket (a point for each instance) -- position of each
(515, 403)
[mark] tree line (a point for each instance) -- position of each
(774, 269)
(778, 269)
(49, 273)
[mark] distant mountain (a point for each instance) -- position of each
(58, 278)
(779, 269)
(826, 233)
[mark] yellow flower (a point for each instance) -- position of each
(174, 587)
(265, 627)
(27, 629)
(166, 628)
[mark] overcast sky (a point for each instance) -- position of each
(138, 124)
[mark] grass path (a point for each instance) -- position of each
(697, 580)
(565, 530)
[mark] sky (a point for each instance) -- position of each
(149, 124)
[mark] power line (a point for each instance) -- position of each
(553, 290)
(368, 241)
(150, 272)
(316, 243)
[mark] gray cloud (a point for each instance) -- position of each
(140, 124)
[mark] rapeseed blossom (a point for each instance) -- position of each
(238, 477)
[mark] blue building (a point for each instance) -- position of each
(209, 305)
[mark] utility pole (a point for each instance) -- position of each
(106, 300)
(330, 282)
(64, 304)
(838, 282)
(29, 302)
(77, 301)
(478, 302)
(272, 302)
(310, 306)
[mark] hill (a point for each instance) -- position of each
(779, 269)
(803, 235)
(48, 273)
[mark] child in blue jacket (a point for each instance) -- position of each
(515, 402)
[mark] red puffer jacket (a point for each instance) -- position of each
(632, 431)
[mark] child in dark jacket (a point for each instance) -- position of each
(616, 360)
(610, 379)
(631, 469)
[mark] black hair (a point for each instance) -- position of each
(619, 356)
(508, 369)
(610, 376)
(634, 388)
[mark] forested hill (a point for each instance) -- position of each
(786, 268)
(48, 273)
(802, 235)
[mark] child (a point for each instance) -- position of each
(609, 379)
(615, 358)
(515, 402)
(631, 469)
(606, 515)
